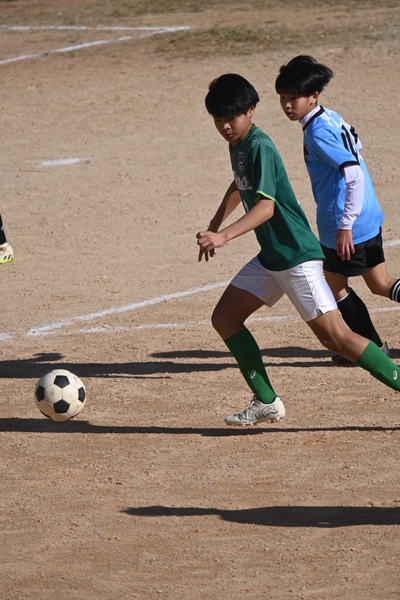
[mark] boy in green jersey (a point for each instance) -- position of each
(289, 262)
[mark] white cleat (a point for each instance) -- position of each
(258, 412)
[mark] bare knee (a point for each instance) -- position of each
(379, 281)
(225, 324)
(328, 342)
(232, 310)
(334, 335)
(217, 320)
(332, 332)
(381, 290)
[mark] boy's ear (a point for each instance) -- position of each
(314, 97)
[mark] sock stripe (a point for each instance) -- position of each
(344, 297)
(395, 291)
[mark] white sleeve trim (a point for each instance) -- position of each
(354, 178)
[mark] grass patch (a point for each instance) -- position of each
(105, 12)
(236, 41)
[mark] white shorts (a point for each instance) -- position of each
(305, 285)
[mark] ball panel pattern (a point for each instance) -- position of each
(60, 395)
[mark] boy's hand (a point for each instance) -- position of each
(208, 242)
(206, 255)
(344, 244)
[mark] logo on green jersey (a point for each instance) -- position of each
(240, 161)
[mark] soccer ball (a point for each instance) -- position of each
(60, 395)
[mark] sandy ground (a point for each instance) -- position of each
(110, 165)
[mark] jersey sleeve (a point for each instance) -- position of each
(334, 149)
(354, 178)
(264, 172)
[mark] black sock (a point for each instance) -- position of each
(3, 238)
(395, 291)
(355, 314)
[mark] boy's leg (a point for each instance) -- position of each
(330, 328)
(247, 353)
(234, 307)
(379, 282)
(355, 314)
(6, 251)
(380, 366)
(366, 256)
(3, 239)
(229, 316)
(353, 310)
(334, 335)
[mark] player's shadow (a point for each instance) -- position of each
(165, 365)
(43, 425)
(318, 357)
(283, 516)
(41, 363)
(278, 352)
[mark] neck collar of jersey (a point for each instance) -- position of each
(318, 110)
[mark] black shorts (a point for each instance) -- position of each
(367, 254)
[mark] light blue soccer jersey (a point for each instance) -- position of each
(330, 145)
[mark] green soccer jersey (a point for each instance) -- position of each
(286, 239)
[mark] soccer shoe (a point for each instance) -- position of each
(258, 412)
(6, 253)
(341, 361)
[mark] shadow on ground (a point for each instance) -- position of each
(41, 363)
(284, 516)
(76, 426)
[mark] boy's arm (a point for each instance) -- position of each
(209, 240)
(354, 178)
(229, 202)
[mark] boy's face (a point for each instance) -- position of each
(234, 130)
(297, 107)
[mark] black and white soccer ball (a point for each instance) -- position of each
(60, 395)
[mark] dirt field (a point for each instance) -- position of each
(110, 165)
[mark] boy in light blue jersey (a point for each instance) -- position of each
(290, 258)
(330, 149)
(349, 216)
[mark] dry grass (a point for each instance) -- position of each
(223, 32)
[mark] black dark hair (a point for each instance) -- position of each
(303, 76)
(230, 95)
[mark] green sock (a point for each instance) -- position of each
(245, 349)
(380, 366)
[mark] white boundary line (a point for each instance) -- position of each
(392, 243)
(87, 28)
(45, 329)
(56, 328)
(125, 38)
(60, 162)
(177, 325)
